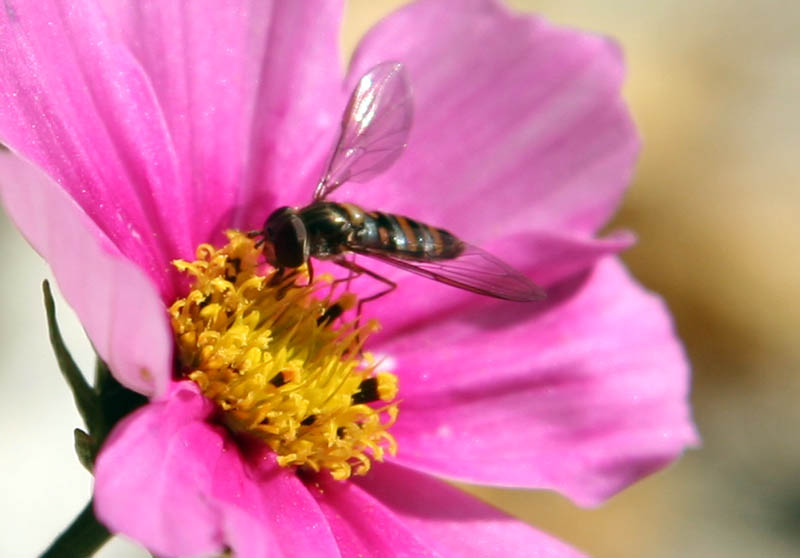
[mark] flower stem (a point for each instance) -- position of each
(115, 401)
(82, 538)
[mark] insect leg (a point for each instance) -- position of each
(358, 270)
(310, 269)
(283, 279)
(351, 274)
(335, 310)
(256, 234)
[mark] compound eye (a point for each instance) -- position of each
(291, 245)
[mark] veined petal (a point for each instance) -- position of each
(364, 527)
(300, 101)
(584, 396)
(259, 495)
(118, 305)
(520, 126)
(394, 511)
(181, 487)
(248, 89)
(76, 103)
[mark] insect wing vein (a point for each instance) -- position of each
(375, 128)
(474, 270)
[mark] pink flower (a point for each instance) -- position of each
(141, 129)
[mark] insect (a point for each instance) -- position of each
(375, 128)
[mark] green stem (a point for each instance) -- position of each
(85, 396)
(102, 375)
(115, 400)
(82, 538)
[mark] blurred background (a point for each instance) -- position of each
(714, 87)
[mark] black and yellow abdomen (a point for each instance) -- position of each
(334, 228)
(406, 238)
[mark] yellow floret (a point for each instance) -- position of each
(262, 347)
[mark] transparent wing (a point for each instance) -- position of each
(474, 270)
(375, 128)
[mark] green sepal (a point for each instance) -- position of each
(101, 406)
(85, 448)
(85, 397)
(116, 401)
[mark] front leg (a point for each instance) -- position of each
(359, 270)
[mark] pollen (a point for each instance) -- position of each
(280, 363)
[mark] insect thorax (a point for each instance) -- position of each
(328, 226)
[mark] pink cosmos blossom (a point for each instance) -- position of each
(139, 129)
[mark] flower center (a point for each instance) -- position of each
(268, 353)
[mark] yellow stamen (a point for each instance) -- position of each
(269, 353)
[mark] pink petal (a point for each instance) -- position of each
(178, 485)
(78, 104)
(457, 524)
(548, 258)
(519, 124)
(300, 101)
(246, 108)
(154, 474)
(264, 496)
(364, 527)
(393, 511)
(584, 395)
(116, 302)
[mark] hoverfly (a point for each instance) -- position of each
(375, 127)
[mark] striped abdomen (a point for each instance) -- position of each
(402, 237)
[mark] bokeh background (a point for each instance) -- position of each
(714, 86)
